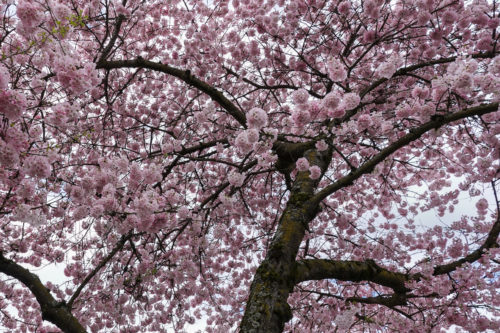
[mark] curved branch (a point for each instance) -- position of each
(413, 135)
(489, 243)
(345, 270)
(103, 262)
(406, 70)
(390, 301)
(56, 312)
(184, 75)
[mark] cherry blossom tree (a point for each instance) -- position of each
(254, 166)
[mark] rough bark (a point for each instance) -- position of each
(346, 270)
(267, 309)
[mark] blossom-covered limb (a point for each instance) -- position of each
(490, 242)
(411, 68)
(184, 75)
(101, 264)
(413, 135)
(56, 312)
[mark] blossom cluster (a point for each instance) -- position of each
(73, 76)
(30, 16)
(257, 118)
(12, 104)
(9, 156)
(336, 70)
(302, 164)
(388, 68)
(37, 166)
(236, 179)
(25, 213)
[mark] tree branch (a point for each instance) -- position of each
(103, 262)
(368, 270)
(355, 271)
(56, 312)
(113, 38)
(184, 75)
(389, 301)
(406, 70)
(413, 135)
(490, 242)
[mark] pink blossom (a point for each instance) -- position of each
(462, 81)
(73, 77)
(419, 93)
(321, 145)
(455, 250)
(183, 212)
(152, 175)
(30, 14)
(331, 100)
(257, 118)
(273, 132)
(108, 190)
(236, 179)
(25, 213)
(369, 36)
(300, 96)
(344, 7)
(345, 319)
(336, 70)
(315, 172)
(436, 34)
(80, 213)
(77, 194)
(482, 204)
(403, 111)
(423, 17)
(350, 101)
(9, 156)
(449, 17)
(494, 66)
(4, 77)
(480, 19)
(12, 104)
(167, 147)
(121, 10)
(364, 121)
(386, 127)
(37, 166)
(61, 12)
(302, 164)
(266, 159)
(242, 143)
(146, 205)
(387, 69)
(484, 44)
(22, 213)
(252, 135)
(372, 9)
(337, 113)
(301, 117)
(226, 201)
(493, 22)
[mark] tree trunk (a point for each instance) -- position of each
(267, 309)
